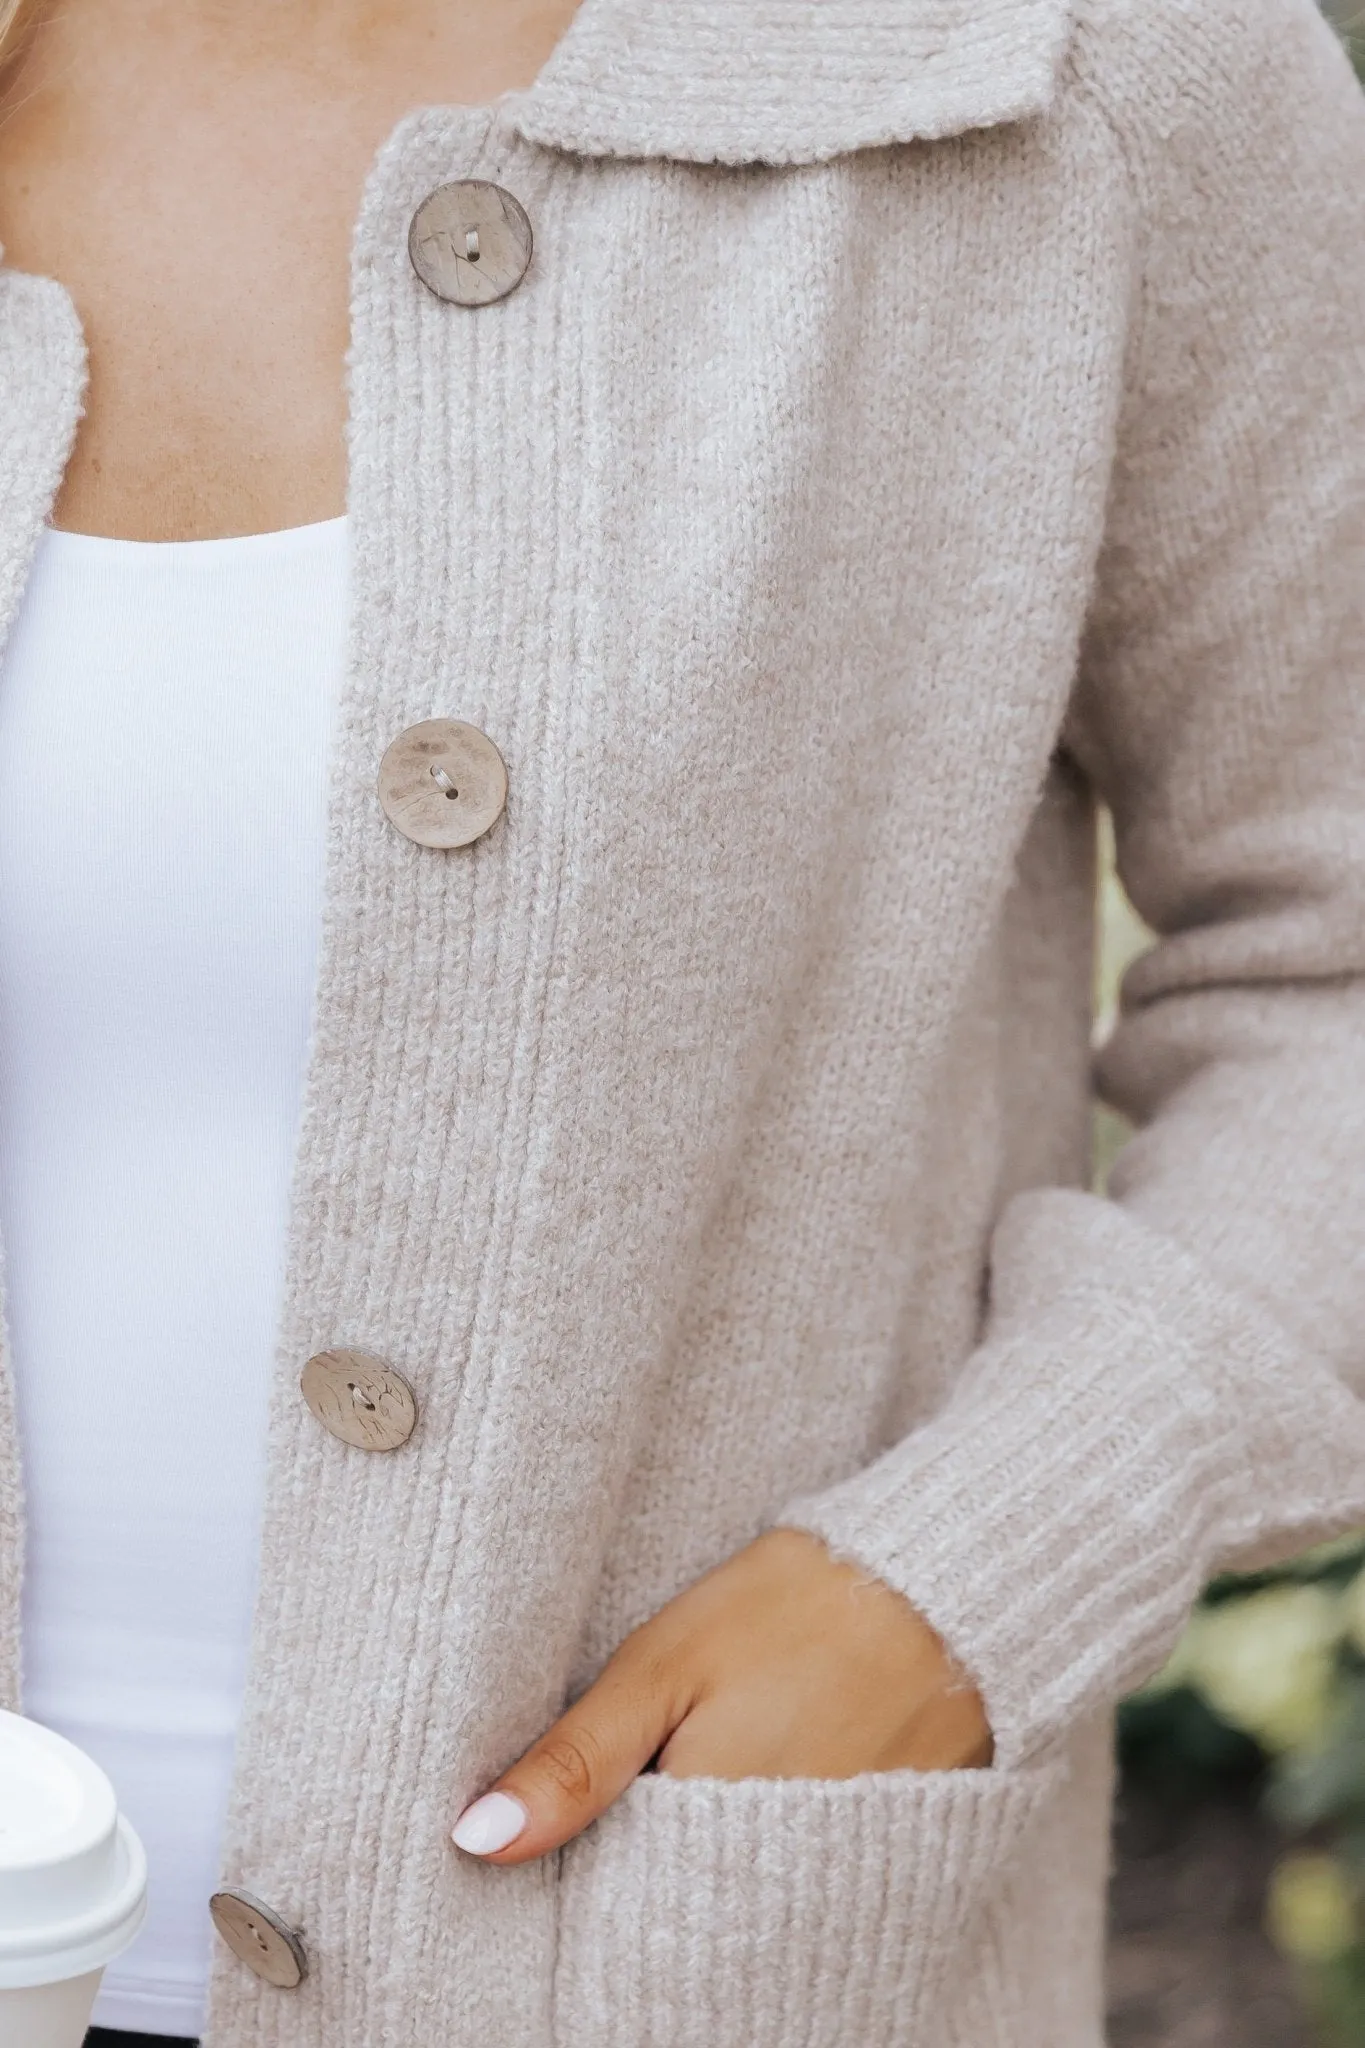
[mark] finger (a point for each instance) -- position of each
(578, 1767)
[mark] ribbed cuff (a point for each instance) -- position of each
(1126, 1429)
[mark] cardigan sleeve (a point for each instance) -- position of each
(1170, 1381)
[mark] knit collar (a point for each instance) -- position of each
(789, 81)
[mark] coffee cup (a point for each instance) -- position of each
(73, 1885)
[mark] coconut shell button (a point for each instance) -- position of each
(470, 242)
(360, 1399)
(259, 1938)
(442, 783)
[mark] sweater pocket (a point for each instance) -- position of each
(789, 1913)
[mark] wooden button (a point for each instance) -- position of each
(360, 1399)
(443, 783)
(470, 242)
(259, 1938)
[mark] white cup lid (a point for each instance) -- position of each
(73, 1877)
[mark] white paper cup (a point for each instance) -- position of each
(73, 1886)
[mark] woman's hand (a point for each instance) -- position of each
(778, 1664)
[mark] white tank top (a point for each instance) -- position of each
(165, 713)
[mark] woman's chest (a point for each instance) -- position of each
(750, 522)
(758, 490)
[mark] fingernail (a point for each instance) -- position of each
(490, 1824)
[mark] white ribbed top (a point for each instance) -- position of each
(164, 718)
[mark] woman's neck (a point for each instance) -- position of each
(191, 170)
(501, 44)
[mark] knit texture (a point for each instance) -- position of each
(815, 530)
(42, 386)
(777, 83)
(800, 1880)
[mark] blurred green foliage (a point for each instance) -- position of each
(1267, 1691)
(1349, 16)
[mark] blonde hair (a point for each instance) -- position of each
(10, 12)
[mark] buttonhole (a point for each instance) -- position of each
(361, 1400)
(438, 774)
(471, 244)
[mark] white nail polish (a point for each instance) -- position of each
(490, 1824)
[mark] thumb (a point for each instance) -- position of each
(578, 1767)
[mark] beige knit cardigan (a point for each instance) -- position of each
(919, 415)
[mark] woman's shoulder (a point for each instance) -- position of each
(1172, 70)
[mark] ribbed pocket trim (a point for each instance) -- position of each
(787, 1913)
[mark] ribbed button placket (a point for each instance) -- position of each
(451, 633)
